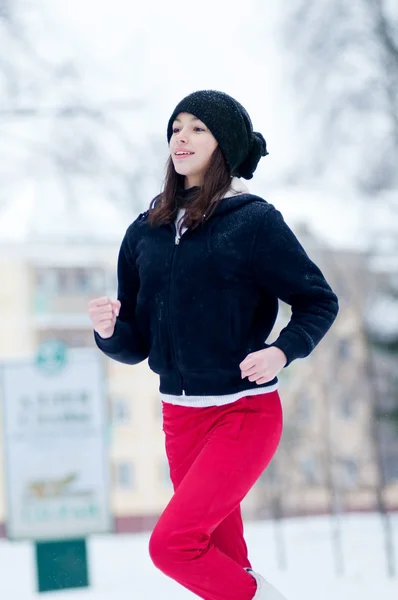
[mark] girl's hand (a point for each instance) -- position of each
(262, 366)
(103, 313)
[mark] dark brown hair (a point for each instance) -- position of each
(216, 182)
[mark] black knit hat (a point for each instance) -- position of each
(230, 124)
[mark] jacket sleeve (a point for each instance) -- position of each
(126, 345)
(282, 268)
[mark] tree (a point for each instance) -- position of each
(54, 129)
(344, 64)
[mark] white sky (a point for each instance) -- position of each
(165, 50)
(158, 51)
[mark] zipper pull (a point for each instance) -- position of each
(177, 239)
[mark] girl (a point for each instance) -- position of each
(199, 278)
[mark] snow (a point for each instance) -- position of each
(43, 213)
(334, 216)
(121, 568)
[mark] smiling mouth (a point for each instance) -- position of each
(183, 154)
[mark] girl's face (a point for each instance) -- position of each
(191, 147)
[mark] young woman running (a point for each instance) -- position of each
(199, 278)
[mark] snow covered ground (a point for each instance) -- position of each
(120, 568)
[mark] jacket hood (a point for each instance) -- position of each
(237, 187)
(238, 195)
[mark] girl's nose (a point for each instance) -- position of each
(182, 136)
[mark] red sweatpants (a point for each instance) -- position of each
(215, 454)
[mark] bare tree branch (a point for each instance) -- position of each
(72, 110)
(345, 73)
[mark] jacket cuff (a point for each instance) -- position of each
(126, 345)
(293, 345)
(111, 344)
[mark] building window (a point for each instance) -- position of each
(70, 280)
(121, 410)
(46, 280)
(390, 465)
(270, 475)
(165, 474)
(303, 410)
(73, 338)
(111, 283)
(349, 472)
(347, 407)
(309, 468)
(124, 475)
(344, 348)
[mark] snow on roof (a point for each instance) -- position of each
(343, 219)
(338, 217)
(43, 213)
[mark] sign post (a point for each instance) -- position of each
(61, 565)
(57, 475)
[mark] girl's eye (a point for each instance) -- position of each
(177, 129)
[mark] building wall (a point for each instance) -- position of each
(42, 299)
(326, 400)
(16, 335)
(137, 441)
(327, 459)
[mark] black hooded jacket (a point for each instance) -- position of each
(195, 307)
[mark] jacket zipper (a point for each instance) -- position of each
(178, 235)
(177, 239)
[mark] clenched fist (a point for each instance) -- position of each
(103, 313)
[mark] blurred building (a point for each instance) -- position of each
(44, 295)
(327, 459)
(332, 457)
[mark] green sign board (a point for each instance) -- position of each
(57, 472)
(55, 425)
